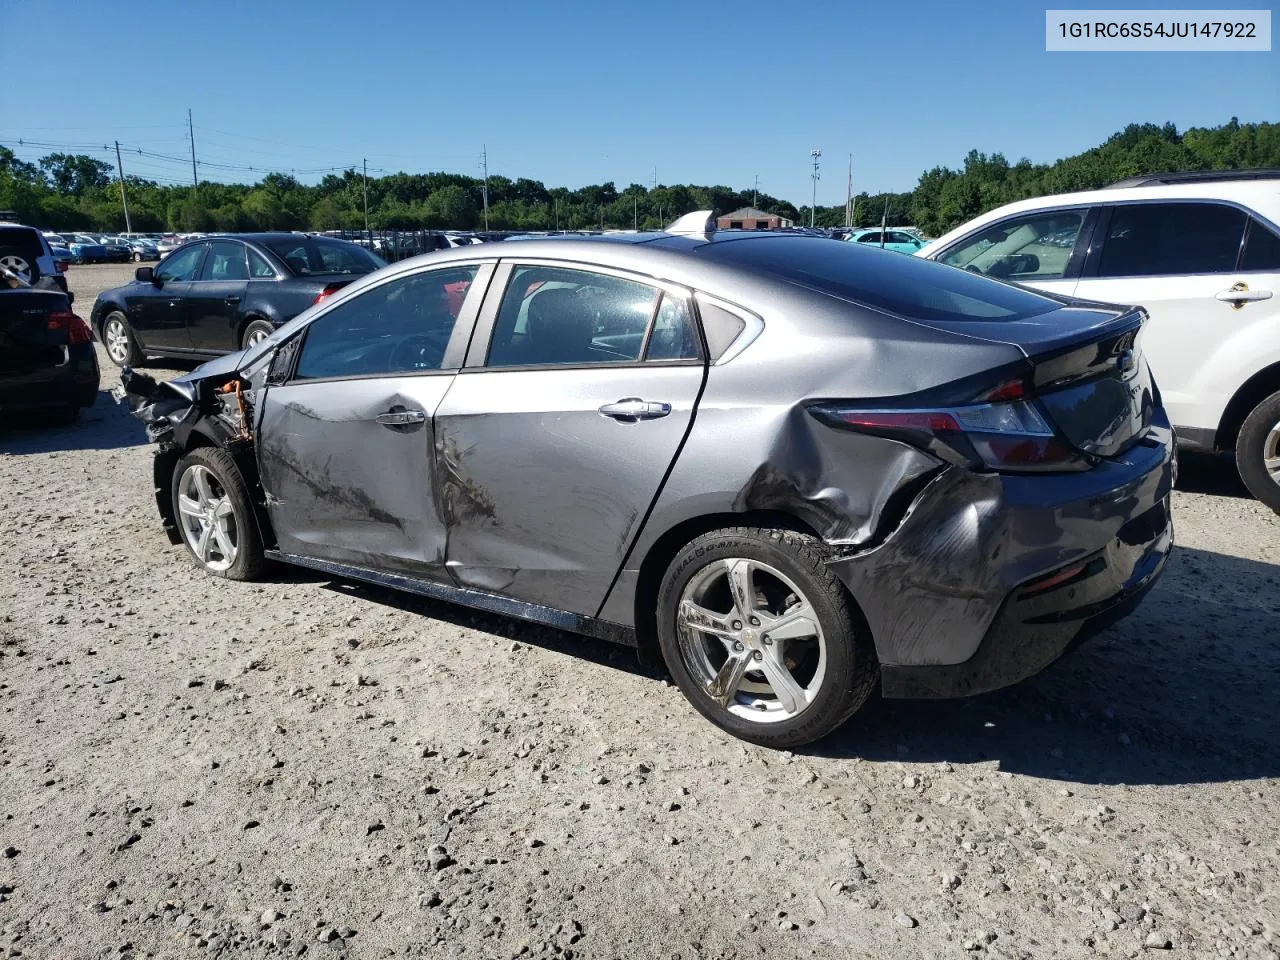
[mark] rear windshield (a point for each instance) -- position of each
(25, 239)
(895, 282)
(315, 255)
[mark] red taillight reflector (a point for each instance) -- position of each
(1054, 579)
(1009, 390)
(61, 265)
(77, 330)
(329, 290)
(900, 420)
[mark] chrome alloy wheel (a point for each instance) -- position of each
(116, 338)
(17, 264)
(752, 640)
(1271, 453)
(207, 518)
(256, 337)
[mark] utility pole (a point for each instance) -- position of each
(655, 178)
(635, 214)
(755, 191)
(815, 153)
(191, 132)
(368, 236)
(484, 191)
(556, 201)
(884, 220)
(848, 197)
(124, 198)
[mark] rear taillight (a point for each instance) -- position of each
(329, 290)
(60, 265)
(1003, 430)
(77, 330)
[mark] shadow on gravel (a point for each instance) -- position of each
(590, 649)
(1186, 690)
(1211, 473)
(104, 426)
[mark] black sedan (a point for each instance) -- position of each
(47, 361)
(220, 294)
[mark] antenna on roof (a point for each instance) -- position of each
(700, 223)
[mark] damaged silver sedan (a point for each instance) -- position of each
(795, 469)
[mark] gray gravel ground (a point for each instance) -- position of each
(192, 767)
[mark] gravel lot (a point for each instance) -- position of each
(193, 767)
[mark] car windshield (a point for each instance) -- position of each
(320, 255)
(906, 286)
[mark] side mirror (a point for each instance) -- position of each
(145, 275)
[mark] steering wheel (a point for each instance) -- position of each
(420, 352)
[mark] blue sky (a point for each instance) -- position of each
(574, 92)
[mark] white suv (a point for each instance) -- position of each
(1201, 252)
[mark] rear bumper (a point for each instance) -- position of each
(74, 383)
(947, 595)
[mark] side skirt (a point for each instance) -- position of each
(477, 599)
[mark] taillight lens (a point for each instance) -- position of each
(1006, 436)
(76, 329)
(329, 290)
(60, 265)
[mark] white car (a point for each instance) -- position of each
(1201, 252)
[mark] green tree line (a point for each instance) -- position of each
(79, 192)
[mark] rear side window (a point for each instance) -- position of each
(24, 240)
(259, 269)
(552, 316)
(1261, 249)
(906, 286)
(1037, 246)
(310, 256)
(1171, 239)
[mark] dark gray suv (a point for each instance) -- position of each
(796, 468)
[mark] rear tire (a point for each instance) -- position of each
(1258, 451)
(119, 341)
(762, 638)
(255, 332)
(215, 516)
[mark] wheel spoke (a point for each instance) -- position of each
(795, 622)
(728, 678)
(225, 546)
(202, 486)
(696, 617)
(741, 575)
(205, 542)
(189, 507)
(1272, 464)
(790, 694)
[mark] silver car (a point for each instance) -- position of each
(794, 469)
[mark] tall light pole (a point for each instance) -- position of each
(484, 191)
(815, 153)
(365, 167)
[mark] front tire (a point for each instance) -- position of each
(119, 341)
(215, 516)
(761, 637)
(1258, 452)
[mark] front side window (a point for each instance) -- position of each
(1034, 247)
(550, 315)
(869, 238)
(225, 262)
(402, 326)
(1171, 239)
(181, 264)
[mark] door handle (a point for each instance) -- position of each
(633, 409)
(231, 300)
(399, 418)
(1238, 294)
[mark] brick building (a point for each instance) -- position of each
(749, 218)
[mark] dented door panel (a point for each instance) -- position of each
(342, 486)
(543, 494)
